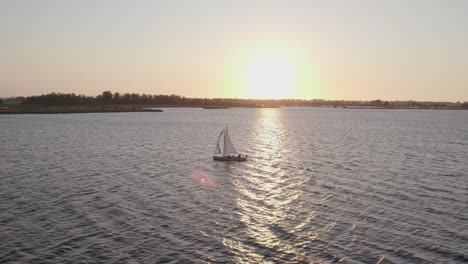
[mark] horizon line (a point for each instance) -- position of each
(240, 98)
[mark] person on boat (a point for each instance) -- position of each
(238, 156)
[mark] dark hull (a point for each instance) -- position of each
(235, 158)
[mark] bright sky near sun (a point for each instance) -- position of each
(352, 50)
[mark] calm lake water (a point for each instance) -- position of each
(320, 186)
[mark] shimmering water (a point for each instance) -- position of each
(320, 186)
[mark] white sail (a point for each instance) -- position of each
(228, 147)
(217, 149)
(229, 153)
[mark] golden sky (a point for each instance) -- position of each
(351, 50)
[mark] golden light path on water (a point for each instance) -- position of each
(265, 192)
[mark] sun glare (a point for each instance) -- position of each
(270, 76)
(271, 70)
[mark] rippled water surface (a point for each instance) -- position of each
(320, 186)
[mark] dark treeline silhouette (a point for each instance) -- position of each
(109, 98)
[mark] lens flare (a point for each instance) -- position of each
(203, 178)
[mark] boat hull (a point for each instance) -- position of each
(232, 158)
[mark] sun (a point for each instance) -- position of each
(270, 75)
(272, 69)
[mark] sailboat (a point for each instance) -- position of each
(229, 153)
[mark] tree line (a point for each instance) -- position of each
(107, 97)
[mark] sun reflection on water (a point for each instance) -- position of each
(265, 194)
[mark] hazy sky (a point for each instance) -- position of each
(391, 50)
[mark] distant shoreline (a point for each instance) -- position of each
(72, 109)
(50, 109)
(125, 100)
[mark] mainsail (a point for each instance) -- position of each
(228, 147)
